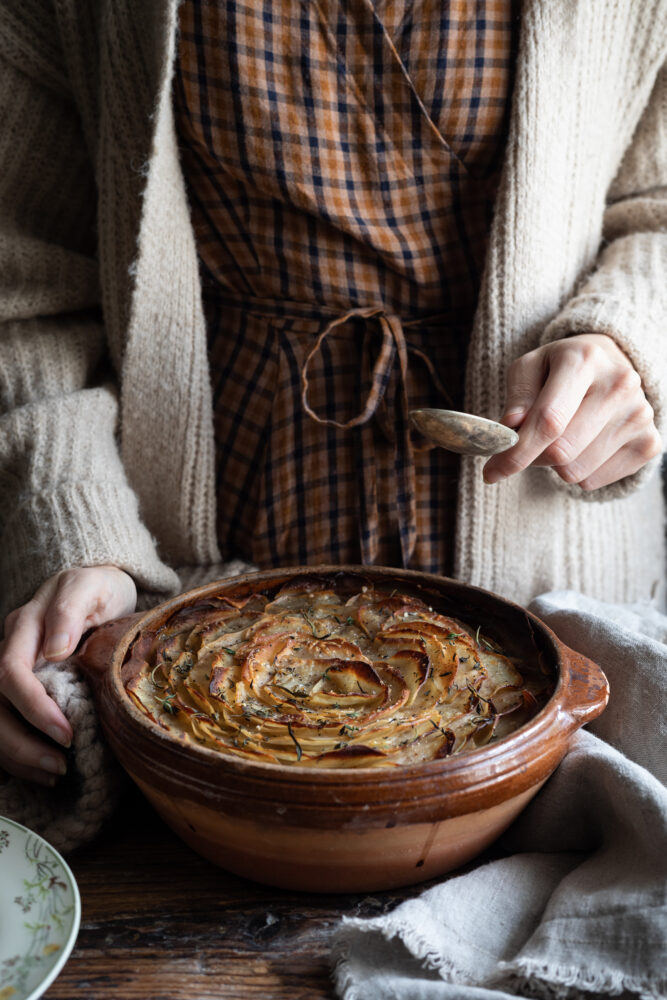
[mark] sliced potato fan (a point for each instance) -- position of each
(314, 677)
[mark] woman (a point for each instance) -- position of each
(309, 191)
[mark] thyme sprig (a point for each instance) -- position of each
(166, 704)
(483, 641)
(476, 693)
(161, 687)
(312, 626)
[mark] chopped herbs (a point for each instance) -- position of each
(185, 666)
(325, 635)
(273, 683)
(167, 705)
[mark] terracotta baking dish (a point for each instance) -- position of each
(343, 830)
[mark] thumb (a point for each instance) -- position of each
(64, 617)
(83, 597)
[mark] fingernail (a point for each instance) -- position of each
(492, 477)
(57, 645)
(60, 735)
(56, 765)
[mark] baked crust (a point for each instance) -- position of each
(319, 676)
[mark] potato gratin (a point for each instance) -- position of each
(320, 676)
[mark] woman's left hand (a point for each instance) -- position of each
(579, 406)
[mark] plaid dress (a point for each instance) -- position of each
(341, 158)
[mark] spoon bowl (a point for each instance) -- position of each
(463, 433)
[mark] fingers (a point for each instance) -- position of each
(589, 419)
(591, 440)
(567, 381)
(624, 462)
(25, 756)
(18, 684)
(600, 427)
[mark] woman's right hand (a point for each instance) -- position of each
(49, 627)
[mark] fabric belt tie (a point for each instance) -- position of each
(392, 416)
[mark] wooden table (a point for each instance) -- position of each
(160, 923)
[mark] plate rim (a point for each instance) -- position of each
(68, 946)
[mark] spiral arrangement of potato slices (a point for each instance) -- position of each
(316, 678)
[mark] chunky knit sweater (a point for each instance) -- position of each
(106, 439)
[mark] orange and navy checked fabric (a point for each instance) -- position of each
(342, 158)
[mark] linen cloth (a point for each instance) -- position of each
(339, 286)
(579, 907)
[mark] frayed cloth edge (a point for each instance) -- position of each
(523, 976)
(570, 982)
(411, 939)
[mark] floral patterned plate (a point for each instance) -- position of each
(40, 912)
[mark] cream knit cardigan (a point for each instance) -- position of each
(106, 439)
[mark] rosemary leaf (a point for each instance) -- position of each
(299, 752)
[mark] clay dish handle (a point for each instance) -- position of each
(95, 653)
(586, 692)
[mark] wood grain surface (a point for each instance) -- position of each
(160, 923)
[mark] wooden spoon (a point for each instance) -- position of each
(463, 433)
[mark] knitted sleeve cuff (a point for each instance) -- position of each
(77, 524)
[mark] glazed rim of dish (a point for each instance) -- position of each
(472, 780)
